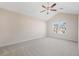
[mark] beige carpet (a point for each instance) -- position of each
(41, 47)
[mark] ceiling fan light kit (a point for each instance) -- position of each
(48, 8)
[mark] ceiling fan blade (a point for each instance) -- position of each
(53, 5)
(44, 6)
(42, 11)
(53, 10)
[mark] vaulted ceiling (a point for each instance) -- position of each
(34, 8)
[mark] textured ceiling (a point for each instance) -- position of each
(34, 8)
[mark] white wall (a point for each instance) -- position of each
(78, 32)
(32, 28)
(15, 28)
(71, 24)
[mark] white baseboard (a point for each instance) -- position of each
(17, 42)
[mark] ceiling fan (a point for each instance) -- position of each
(48, 8)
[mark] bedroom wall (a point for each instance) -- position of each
(15, 28)
(78, 32)
(71, 26)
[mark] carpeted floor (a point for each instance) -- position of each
(41, 47)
